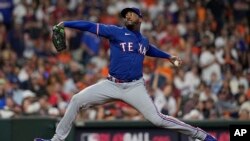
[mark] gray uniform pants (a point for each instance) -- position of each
(133, 93)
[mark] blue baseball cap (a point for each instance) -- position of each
(132, 9)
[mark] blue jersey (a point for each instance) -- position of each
(127, 48)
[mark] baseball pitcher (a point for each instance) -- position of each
(128, 47)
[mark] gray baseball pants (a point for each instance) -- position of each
(133, 93)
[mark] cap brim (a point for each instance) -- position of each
(126, 10)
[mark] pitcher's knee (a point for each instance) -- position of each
(80, 101)
(76, 99)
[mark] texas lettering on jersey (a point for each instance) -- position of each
(128, 46)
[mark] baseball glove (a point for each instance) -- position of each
(58, 38)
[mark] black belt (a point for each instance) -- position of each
(113, 79)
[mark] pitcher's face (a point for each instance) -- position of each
(132, 19)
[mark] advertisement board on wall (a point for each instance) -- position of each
(139, 134)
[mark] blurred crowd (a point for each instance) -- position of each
(211, 36)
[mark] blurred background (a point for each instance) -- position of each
(211, 36)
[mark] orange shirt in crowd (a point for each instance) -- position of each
(201, 14)
(64, 57)
(167, 72)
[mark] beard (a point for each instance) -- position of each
(131, 24)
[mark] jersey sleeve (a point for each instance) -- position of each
(81, 25)
(96, 28)
(155, 52)
(108, 31)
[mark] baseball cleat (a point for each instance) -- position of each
(210, 138)
(39, 139)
